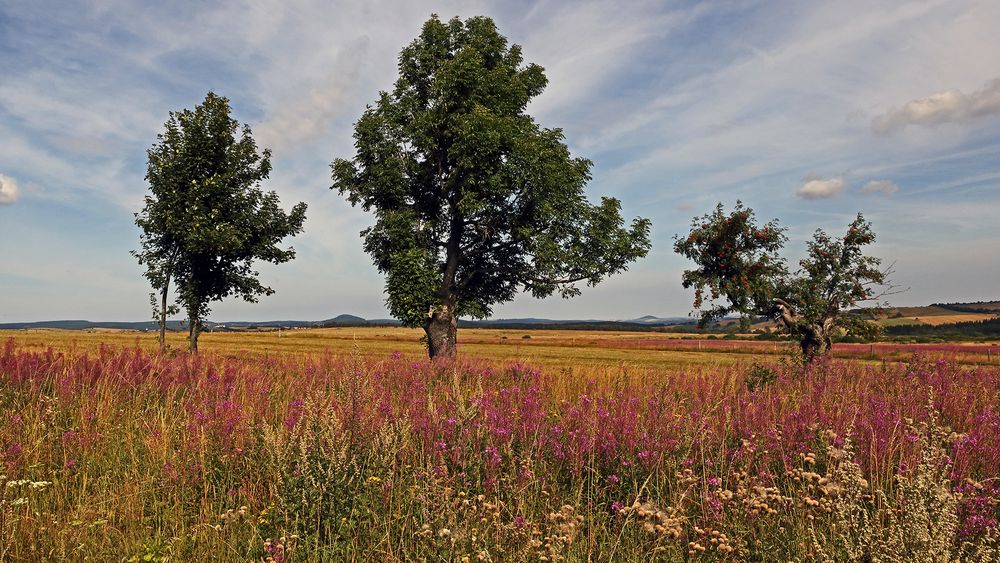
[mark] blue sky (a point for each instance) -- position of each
(807, 111)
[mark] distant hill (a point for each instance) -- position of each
(977, 307)
(643, 323)
(941, 314)
(936, 314)
(980, 329)
(651, 320)
(88, 325)
(343, 320)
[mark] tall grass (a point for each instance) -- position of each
(122, 454)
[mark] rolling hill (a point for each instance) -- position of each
(930, 315)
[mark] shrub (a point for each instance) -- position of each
(759, 376)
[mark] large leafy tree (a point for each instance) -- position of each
(739, 271)
(473, 201)
(206, 220)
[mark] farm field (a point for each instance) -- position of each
(571, 350)
(936, 315)
(939, 319)
(348, 444)
(564, 349)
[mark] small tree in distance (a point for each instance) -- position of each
(739, 271)
(473, 201)
(206, 220)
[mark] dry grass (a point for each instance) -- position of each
(574, 353)
(951, 318)
(577, 351)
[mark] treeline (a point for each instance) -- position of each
(989, 328)
(977, 307)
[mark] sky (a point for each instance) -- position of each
(808, 112)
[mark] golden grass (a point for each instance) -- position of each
(577, 351)
(950, 319)
(573, 353)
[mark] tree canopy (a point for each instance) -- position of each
(739, 271)
(206, 220)
(473, 200)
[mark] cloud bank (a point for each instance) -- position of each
(821, 189)
(679, 105)
(8, 190)
(943, 107)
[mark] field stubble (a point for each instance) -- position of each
(578, 351)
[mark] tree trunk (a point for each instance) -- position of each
(194, 330)
(163, 316)
(815, 341)
(163, 299)
(441, 329)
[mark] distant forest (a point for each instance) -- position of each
(977, 307)
(989, 328)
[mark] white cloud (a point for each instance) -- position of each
(304, 117)
(884, 187)
(8, 190)
(821, 189)
(679, 106)
(943, 107)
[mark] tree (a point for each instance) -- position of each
(206, 220)
(739, 271)
(474, 201)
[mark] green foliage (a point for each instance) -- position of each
(738, 261)
(759, 376)
(158, 312)
(740, 272)
(155, 551)
(835, 276)
(206, 219)
(473, 200)
(318, 472)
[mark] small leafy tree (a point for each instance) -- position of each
(161, 311)
(739, 271)
(206, 220)
(474, 201)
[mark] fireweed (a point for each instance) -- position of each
(337, 457)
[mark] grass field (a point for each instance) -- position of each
(574, 350)
(939, 319)
(348, 444)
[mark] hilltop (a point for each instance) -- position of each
(937, 314)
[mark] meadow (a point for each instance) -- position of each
(348, 444)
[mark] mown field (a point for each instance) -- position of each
(347, 444)
(580, 352)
